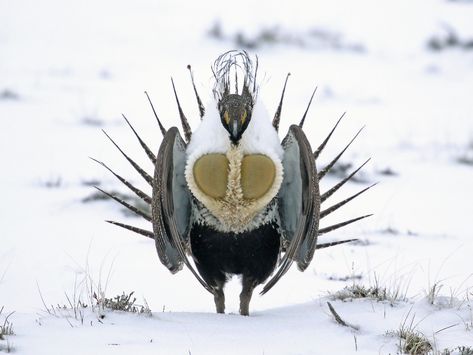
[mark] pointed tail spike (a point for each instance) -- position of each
(331, 191)
(126, 204)
(322, 146)
(333, 208)
(332, 244)
(148, 151)
(307, 109)
(277, 115)
(199, 101)
(144, 232)
(161, 127)
(143, 173)
(185, 124)
(340, 225)
(325, 170)
(137, 191)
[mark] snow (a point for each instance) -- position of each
(76, 66)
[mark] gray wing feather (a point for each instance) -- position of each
(299, 204)
(171, 205)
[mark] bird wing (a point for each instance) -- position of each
(299, 204)
(171, 205)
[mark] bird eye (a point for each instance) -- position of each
(226, 117)
(243, 117)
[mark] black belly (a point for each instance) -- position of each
(251, 254)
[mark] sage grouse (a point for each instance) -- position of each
(230, 195)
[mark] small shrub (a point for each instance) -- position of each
(433, 292)
(316, 38)
(6, 329)
(449, 39)
(52, 182)
(395, 231)
(91, 182)
(124, 302)
(99, 304)
(459, 350)
(216, 30)
(466, 158)
(342, 170)
(359, 291)
(345, 278)
(89, 295)
(376, 292)
(388, 172)
(469, 323)
(397, 291)
(465, 350)
(7, 348)
(8, 94)
(412, 342)
(92, 121)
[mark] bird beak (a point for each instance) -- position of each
(235, 129)
(234, 123)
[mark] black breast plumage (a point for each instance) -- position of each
(252, 254)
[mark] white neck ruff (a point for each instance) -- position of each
(233, 212)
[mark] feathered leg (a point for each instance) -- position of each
(219, 298)
(249, 285)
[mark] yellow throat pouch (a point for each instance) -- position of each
(257, 174)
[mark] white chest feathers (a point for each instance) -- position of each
(234, 187)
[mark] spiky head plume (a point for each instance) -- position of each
(235, 73)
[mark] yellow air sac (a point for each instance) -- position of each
(257, 176)
(211, 175)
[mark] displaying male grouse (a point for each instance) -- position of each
(232, 196)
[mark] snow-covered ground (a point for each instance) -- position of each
(69, 69)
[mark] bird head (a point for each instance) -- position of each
(235, 91)
(235, 114)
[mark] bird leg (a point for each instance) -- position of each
(219, 298)
(245, 296)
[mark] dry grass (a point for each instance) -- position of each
(449, 39)
(8, 94)
(124, 302)
(90, 296)
(360, 291)
(459, 350)
(6, 330)
(320, 38)
(6, 327)
(395, 293)
(452, 297)
(411, 341)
